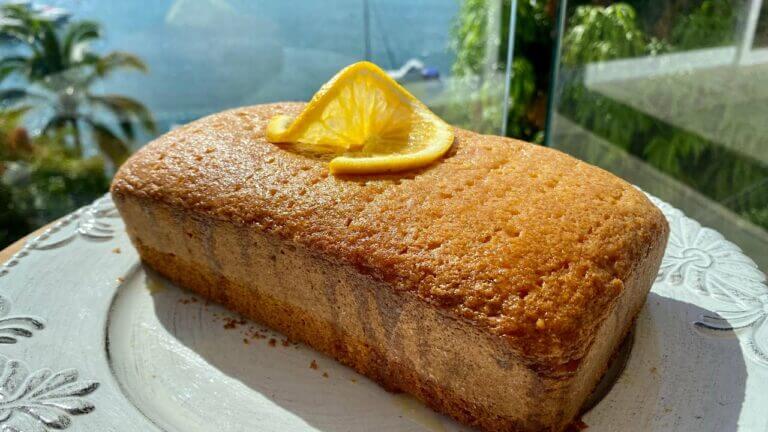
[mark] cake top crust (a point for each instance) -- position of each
(524, 241)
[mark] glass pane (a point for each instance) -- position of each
(671, 95)
(112, 75)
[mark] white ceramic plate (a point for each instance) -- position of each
(92, 341)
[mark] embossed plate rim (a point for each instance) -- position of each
(54, 370)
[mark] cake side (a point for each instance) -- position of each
(610, 333)
(391, 337)
(525, 242)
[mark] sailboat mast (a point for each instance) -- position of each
(367, 29)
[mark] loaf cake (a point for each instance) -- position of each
(493, 285)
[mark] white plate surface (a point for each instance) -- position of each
(92, 341)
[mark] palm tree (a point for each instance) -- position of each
(59, 71)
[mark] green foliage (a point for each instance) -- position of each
(602, 33)
(478, 103)
(522, 89)
(657, 46)
(473, 103)
(531, 68)
(51, 186)
(13, 224)
(533, 25)
(758, 216)
(477, 99)
(58, 70)
(605, 117)
(469, 37)
(598, 34)
(666, 152)
(522, 86)
(713, 23)
(53, 71)
(737, 181)
(761, 32)
(41, 180)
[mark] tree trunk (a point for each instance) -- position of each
(76, 137)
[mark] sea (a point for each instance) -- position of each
(207, 55)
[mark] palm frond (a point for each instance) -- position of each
(10, 96)
(56, 123)
(57, 66)
(124, 118)
(19, 24)
(77, 33)
(103, 66)
(124, 109)
(19, 32)
(11, 64)
(111, 145)
(119, 60)
(126, 126)
(51, 49)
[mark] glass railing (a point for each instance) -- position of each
(670, 95)
(665, 94)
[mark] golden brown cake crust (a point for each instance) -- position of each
(524, 241)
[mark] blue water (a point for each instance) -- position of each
(208, 55)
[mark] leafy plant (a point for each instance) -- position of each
(758, 216)
(666, 152)
(478, 99)
(13, 225)
(713, 23)
(41, 179)
(59, 70)
(602, 33)
(55, 184)
(469, 34)
(597, 34)
(614, 121)
(522, 90)
(473, 103)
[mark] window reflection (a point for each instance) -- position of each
(669, 96)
